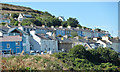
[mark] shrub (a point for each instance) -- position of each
(59, 35)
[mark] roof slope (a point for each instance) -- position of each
(10, 38)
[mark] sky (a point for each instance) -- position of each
(103, 15)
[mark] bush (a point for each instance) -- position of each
(59, 35)
(78, 51)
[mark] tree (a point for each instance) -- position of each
(12, 21)
(51, 21)
(47, 14)
(15, 15)
(31, 21)
(64, 23)
(16, 23)
(93, 56)
(72, 22)
(78, 25)
(3, 23)
(59, 35)
(78, 51)
(107, 54)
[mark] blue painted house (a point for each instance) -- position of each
(24, 35)
(11, 44)
(60, 31)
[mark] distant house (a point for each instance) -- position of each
(11, 44)
(79, 31)
(4, 18)
(43, 43)
(26, 29)
(105, 42)
(60, 31)
(3, 30)
(61, 18)
(41, 30)
(5, 21)
(23, 16)
(67, 44)
(25, 37)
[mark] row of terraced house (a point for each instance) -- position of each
(44, 39)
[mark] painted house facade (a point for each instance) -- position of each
(11, 44)
(24, 35)
(43, 43)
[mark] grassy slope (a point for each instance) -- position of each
(44, 62)
(3, 5)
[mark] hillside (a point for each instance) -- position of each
(8, 8)
(38, 17)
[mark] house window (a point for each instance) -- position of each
(8, 45)
(17, 43)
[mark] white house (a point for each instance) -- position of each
(20, 17)
(23, 16)
(1, 34)
(61, 18)
(106, 38)
(43, 43)
(104, 43)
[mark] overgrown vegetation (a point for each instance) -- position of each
(79, 58)
(29, 62)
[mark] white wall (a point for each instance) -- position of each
(21, 28)
(1, 34)
(27, 44)
(99, 41)
(35, 43)
(46, 44)
(43, 44)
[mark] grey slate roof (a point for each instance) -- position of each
(10, 38)
(4, 29)
(12, 29)
(45, 36)
(115, 41)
